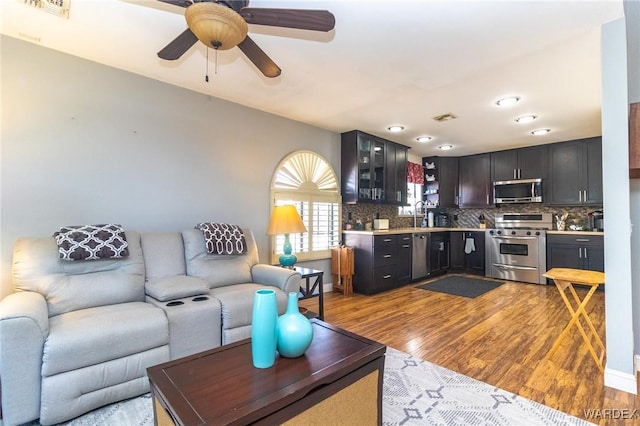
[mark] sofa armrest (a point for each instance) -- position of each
(24, 327)
(175, 287)
(287, 280)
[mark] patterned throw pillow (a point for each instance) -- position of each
(90, 242)
(223, 238)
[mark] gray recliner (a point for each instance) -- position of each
(76, 335)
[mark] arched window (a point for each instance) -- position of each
(308, 181)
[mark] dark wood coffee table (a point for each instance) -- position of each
(338, 380)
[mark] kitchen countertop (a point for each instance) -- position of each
(411, 230)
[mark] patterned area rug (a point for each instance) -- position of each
(416, 392)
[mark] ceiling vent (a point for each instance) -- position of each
(445, 117)
(55, 7)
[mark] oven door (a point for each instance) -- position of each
(513, 251)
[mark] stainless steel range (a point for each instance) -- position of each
(516, 247)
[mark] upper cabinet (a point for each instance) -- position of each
(523, 163)
(575, 173)
(441, 181)
(373, 169)
(475, 181)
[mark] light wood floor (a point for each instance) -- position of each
(501, 338)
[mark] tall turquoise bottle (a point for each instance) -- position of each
(264, 328)
(295, 331)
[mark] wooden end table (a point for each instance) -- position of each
(338, 380)
(314, 289)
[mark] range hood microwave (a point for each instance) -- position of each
(517, 191)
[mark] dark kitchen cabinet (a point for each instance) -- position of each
(441, 181)
(475, 181)
(381, 262)
(575, 173)
(472, 263)
(396, 174)
(374, 170)
(439, 253)
(523, 163)
(575, 251)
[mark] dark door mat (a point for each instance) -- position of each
(458, 285)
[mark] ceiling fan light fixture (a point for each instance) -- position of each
(216, 25)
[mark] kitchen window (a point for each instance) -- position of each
(306, 180)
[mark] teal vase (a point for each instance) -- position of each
(263, 328)
(295, 332)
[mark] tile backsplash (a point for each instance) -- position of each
(462, 218)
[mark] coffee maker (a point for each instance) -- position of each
(596, 220)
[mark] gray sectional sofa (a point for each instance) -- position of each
(79, 335)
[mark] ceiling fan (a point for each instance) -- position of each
(222, 24)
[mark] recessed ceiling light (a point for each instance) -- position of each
(423, 139)
(511, 100)
(540, 132)
(526, 118)
(445, 147)
(395, 129)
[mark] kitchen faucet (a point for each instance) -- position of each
(415, 212)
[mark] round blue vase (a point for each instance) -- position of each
(294, 330)
(263, 328)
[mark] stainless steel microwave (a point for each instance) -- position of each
(517, 191)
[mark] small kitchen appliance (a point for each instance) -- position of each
(442, 220)
(516, 248)
(381, 224)
(596, 220)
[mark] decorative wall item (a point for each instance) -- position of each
(263, 328)
(55, 7)
(295, 332)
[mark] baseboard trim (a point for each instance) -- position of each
(622, 381)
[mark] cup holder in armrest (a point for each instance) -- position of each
(175, 303)
(200, 299)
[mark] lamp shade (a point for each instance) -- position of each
(285, 220)
(216, 25)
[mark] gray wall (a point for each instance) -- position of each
(83, 143)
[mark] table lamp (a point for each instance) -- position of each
(286, 220)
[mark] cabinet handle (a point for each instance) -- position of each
(580, 252)
(580, 196)
(585, 196)
(585, 253)
(583, 240)
(387, 240)
(487, 198)
(515, 173)
(406, 246)
(387, 276)
(387, 256)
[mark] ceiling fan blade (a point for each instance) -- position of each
(178, 46)
(181, 3)
(316, 20)
(259, 58)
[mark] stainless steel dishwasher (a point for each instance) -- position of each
(419, 257)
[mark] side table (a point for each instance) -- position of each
(312, 288)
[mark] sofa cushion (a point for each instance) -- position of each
(68, 286)
(175, 287)
(163, 254)
(91, 242)
(90, 336)
(218, 270)
(237, 303)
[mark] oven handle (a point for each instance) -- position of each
(533, 268)
(516, 238)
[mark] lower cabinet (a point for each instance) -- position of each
(575, 251)
(473, 262)
(382, 262)
(439, 253)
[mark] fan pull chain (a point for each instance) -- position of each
(206, 77)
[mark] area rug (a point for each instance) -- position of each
(459, 285)
(415, 392)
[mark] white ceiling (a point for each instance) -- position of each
(386, 62)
